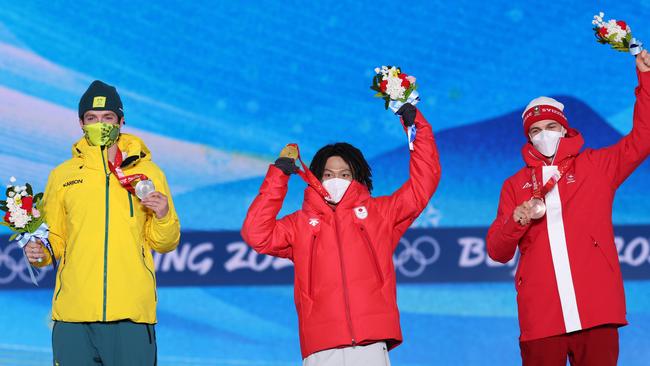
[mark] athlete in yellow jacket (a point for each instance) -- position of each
(104, 302)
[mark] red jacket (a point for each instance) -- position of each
(344, 282)
(568, 277)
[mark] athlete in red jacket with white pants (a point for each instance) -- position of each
(569, 286)
(342, 248)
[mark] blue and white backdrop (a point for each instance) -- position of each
(217, 88)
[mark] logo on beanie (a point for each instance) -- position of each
(537, 111)
(99, 102)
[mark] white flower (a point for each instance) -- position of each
(601, 14)
(19, 218)
(11, 205)
(16, 189)
(394, 88)
(377, 70)
(613, 29)
(12, 179)
(24, 193)
(11, 194)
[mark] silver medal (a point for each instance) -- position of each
(143, 188)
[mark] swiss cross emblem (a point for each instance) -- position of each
(313, 222)
(537, 111)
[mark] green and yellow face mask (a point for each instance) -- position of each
(101, 134)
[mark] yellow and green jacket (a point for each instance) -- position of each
(102, 236)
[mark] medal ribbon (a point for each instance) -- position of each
(125, 180)
(563, 168)
(309, 177)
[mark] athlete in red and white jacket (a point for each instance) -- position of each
(569, 286)
(344, 287)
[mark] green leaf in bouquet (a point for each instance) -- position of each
(628, 37)
(379, 95)
(376, 80)
(38, 197)
(13, 237)
(9, 189)
(2, 223)
(387, 102)
(29, 189)
(34, 224)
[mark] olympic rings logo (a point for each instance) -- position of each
(12, 266)
(413, 253)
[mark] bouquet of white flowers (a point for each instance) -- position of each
(617, 34)
(23, 216)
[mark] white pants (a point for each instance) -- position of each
(375, 354)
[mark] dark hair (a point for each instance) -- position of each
(351, 155)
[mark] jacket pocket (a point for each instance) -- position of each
(372, 253)
(312, 250)
(602, 253)
(153, 277)
(62, 266)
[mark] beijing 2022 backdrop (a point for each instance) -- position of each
(216, 89)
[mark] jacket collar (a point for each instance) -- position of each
(569, 147)
(356, 194)
(133, 150)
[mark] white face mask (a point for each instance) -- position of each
(546, 142)
(336, 187)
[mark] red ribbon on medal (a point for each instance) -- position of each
(563, 168)
(308, 176)
(125, 180)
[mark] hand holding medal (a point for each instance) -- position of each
(157, 202)
(144, 189)
(291, 154)
(535, 208)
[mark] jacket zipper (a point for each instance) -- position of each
(346, 294)
(62, 264)
(311, 265)
(153, 278)
(105, 285)
(373, 254)
(130, 202)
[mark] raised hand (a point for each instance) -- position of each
(643, 61)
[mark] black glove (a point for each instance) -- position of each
(287, 165)
(407, 112)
